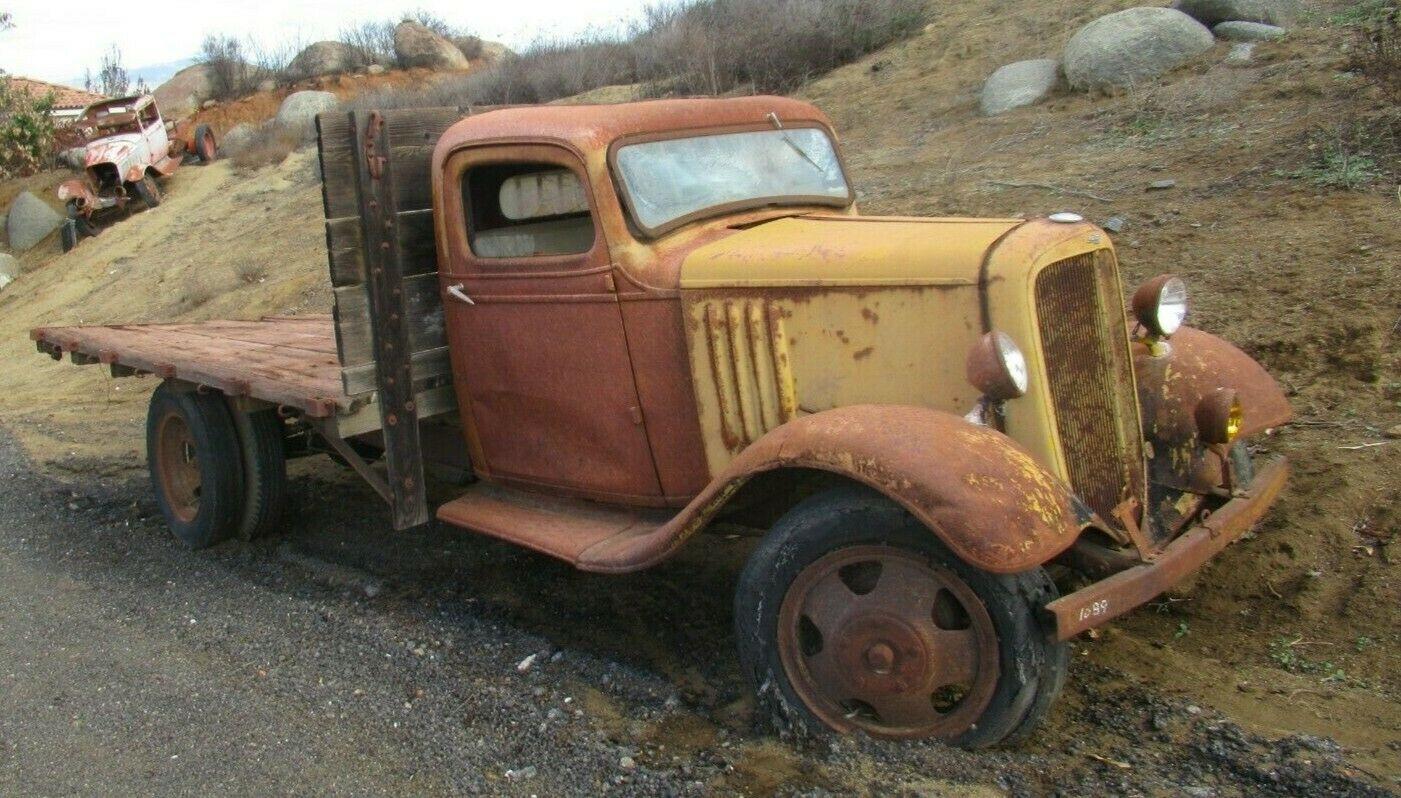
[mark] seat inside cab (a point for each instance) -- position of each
(527, 210)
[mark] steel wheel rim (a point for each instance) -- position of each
(914, 655)
(177, 462)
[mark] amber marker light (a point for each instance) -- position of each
(1219, 416)
(1160, 305)
(997, 368)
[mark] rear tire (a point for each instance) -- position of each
(148, 191)
(812, 680)
(264, 472)
(206, 148)
(196, 470)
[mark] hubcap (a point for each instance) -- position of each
(880, 639)
(177, 463)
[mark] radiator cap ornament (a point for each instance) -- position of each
(1066, 217)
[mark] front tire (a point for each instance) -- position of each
(196, 468)
(148, 191)
(851, 616)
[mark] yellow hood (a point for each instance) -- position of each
(846, 251)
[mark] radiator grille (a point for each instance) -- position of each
(1090, 372)
(749, 365)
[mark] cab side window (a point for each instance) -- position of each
(149, 115)
(526, 210)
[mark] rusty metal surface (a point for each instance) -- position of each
(1118, 594)
(879, 639)
(1091, 380)
(540, 358)
(979, 491)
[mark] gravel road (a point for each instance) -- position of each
(345, 659)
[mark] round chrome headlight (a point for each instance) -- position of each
(997, 368)
(1161, 304)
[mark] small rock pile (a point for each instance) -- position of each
(1127, 47)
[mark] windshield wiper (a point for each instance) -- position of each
(788, 139)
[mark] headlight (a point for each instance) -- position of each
(997, 367)
(1161, 304)
(1219, 416)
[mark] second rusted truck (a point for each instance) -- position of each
(624, 323)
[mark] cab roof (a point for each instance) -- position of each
(590, 128)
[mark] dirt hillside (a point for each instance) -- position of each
(1294, 631)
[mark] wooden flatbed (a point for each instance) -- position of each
(284, 360)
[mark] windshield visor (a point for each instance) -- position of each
(675, 180)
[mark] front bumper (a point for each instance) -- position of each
(1111, 597)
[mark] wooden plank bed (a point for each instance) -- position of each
(284, 360)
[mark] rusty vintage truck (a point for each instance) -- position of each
(127, 146)
(621, 324)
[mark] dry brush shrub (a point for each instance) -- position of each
(268, 145)
(1377, 54)
(707, 47)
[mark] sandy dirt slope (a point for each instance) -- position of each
(1294, 631)
(221, 245)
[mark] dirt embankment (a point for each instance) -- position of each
(1294, 631)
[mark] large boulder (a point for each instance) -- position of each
(1019, 84)
(9, 269)
(325, 58)
(185, 91)
(298, 112)
(236, 138)
(29, 220)
(416, 45)
(1247, 31)
(1133, 45)
(1212, 12)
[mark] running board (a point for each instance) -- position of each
(589, 536)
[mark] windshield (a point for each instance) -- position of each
(666, 181)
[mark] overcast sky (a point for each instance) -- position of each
(56, 39)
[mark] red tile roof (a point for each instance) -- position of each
(65, 97)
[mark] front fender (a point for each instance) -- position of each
(976, 489)
(78, 190)
(1197, 364)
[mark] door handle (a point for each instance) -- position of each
(458, 293)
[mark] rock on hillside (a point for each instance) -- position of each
(1019, 84)
(325, 58)
(1129, 46)
(184, 92)
(1211, 12)
(298, 112)
(1247, 31)
(9, 269)
(29, 220)
(417, 46)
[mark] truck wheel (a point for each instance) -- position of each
(264, 472)
(851, 616)
(149, 192)
(192, 450)
(205, 146)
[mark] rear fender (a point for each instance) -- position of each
(976, 489)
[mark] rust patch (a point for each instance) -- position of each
(862, 354)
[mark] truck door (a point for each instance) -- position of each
(153, 130)
(541, 366)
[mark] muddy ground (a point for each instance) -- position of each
(1286, 646)
(345, 659)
